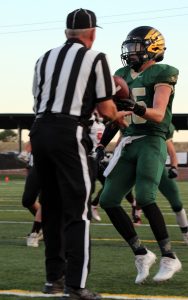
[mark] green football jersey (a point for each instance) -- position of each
(142, 87)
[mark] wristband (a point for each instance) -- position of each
(139, 110)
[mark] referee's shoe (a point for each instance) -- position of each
(55, 287)
(80, 294)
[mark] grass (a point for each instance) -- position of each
(112, 264)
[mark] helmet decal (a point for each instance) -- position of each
(157, 41)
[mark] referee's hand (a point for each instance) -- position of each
(120, 118)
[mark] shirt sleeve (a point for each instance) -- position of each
(105, 86)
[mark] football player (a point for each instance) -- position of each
(140, 157)
(169, 188)
(31, 197)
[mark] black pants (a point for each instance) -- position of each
(31, 189)
(60, 148)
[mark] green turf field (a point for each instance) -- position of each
(112, 265)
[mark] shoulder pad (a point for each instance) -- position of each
(162, 73)
(123, 72)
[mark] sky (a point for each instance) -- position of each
(28, 28)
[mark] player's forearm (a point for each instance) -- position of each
(173, 161)
(172, 153)
(154, 114)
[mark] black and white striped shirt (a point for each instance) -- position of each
(71, 79)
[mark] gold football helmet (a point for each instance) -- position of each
(142, 44)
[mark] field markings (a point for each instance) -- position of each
(16, 222)
(144, 241)
(92, 223)
(12, 210)
(32, 294)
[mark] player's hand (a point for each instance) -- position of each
(100, 152)
(120, 119)
(131, 105)
(172, 172)
(125, 104)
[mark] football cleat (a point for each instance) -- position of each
(81, 294)
(33, 239)
(143, 264)
(40, 235)
(185, 238)
(95, 213)
(168, 267)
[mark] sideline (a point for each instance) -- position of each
(31, 294)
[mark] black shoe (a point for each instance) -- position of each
(54, 287)
(80, 294)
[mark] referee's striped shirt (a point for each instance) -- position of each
(71, 79)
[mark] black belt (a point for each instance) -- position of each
(57, 115)
(80, 120)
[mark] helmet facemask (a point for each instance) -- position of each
(134, 54)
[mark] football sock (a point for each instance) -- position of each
(165, 248)
(158, 226)
(124, 226)
(184, 229)
(136, 246)
(36, 226)
(95, 201)
(181, 219)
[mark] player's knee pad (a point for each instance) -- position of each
(142, 202)
(110, 197)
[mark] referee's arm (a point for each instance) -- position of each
(105, 89)
(107, 109)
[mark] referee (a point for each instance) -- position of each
(70, 81)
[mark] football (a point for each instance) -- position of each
(122, 89)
